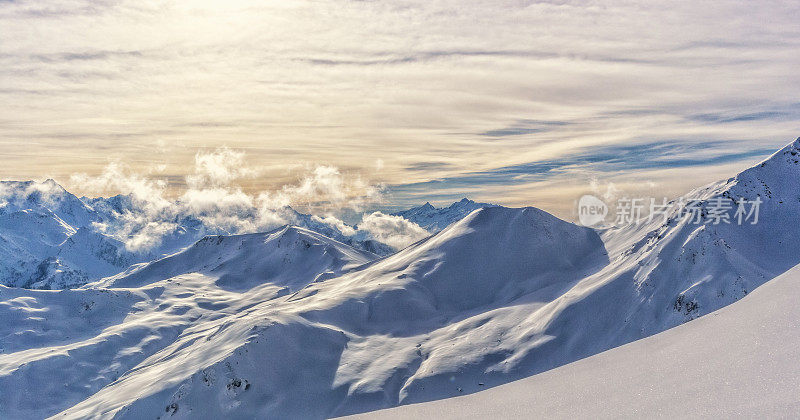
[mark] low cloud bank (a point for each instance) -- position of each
(143, 218)
(394, 231)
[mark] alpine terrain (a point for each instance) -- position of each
(297, 322)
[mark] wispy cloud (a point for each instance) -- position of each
(606, 162)
(523, 127)
(788, 113)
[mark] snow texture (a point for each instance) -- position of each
(738, 362)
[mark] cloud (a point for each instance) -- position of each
(523, 127)
(427, 166)
(606, 159)
(335, 223)
(394, 231)
(218, 169)
(139, 234)
(324, 187)
(118, 177)
(785, 113)
(213, 197)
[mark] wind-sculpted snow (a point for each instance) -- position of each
(291, 324)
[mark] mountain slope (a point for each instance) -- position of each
(47, 241)
(42, 251)
(739, 361)
(26, 238)
(288, 256)
(491, 259)
(94, 336)
(355, 240)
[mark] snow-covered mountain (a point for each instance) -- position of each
(50, 239)
(356, 239)
(46, 240)
(289, 256)
(291, 324)
(214, 286)
(739, 362)
(189, 228)
(117, 324)
(435, 219)
(37, 218)
(45, 197)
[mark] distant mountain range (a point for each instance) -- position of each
(435, 219)
(51, 239)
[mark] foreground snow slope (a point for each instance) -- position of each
(740, 361)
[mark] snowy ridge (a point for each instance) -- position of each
(356, 240)
(45, 197)
(288, 256)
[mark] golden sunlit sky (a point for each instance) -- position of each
(513, 102)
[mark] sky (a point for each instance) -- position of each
(512, 102)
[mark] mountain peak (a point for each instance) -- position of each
(493, 254)
(465, 202)
(775, 177)
(789, 154)
(434, 219)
